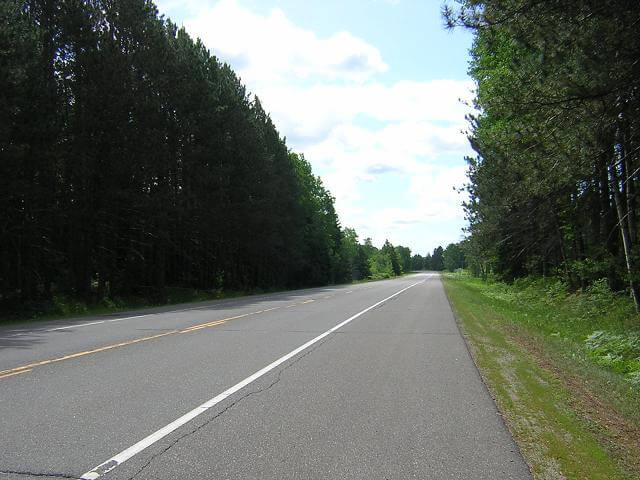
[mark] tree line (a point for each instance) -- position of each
(134, 162)
(553, 188)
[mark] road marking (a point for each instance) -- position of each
(193, 328)
(146, 442)
(98, 322)
(307, 301)
(5, 373)
(204, 325)
(87, 352)
(74, 326)
(14, 373)
(139, 316)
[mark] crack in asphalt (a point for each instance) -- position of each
(231, 405)
(195, 430)
(39, 475)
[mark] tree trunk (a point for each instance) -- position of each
(630, 193)
(624, 230)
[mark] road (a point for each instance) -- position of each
(368, 381)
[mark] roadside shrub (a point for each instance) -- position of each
(68, 306)
(620, 352)
(605, 318)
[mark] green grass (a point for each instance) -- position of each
(574, 415)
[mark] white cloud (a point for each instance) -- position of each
(324, 95)
(354, 154)
(308, 113)
(428, 215)
(272, 49)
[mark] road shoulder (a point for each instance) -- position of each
(554, 424)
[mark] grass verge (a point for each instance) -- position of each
(573, 415)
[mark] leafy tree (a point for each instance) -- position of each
(437, 259)
(404, 257)
(389, 250)
(453, 257)
(381, 265)
(135, 163)
(349, 254)
(361, 264)
(417, 262)
(555, 133)
(428, 262)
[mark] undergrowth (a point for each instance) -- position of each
(596, 320)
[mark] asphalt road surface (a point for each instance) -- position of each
(369, 381)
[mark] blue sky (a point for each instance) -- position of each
(368, 90)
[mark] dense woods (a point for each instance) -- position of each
(134, 163)
(554, 186)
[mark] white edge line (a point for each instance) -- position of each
(98, 322)
(75, 326)
(138, 316)
(125, 455)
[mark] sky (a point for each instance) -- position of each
(372, 92)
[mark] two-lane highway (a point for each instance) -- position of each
(359, 381)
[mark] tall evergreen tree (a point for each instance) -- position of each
(556, 136)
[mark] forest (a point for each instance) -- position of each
(553, 187)
(135, 164)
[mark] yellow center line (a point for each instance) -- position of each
(290, 306)
(14, 373)
(87, 352)
(204, 325)
(27, 368)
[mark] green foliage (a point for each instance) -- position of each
(553, 186)
(437, 259)
(389, 251)
(381, 263)
(616, 351)
(324, 255)
(67, 306)
(595, 320)
(135, 164)
(563, 428)
(381, 266)
(453, 257)
(404, 258)
(417, 262)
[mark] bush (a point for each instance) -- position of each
(67, 306)
(620, 352)
(606, 319)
